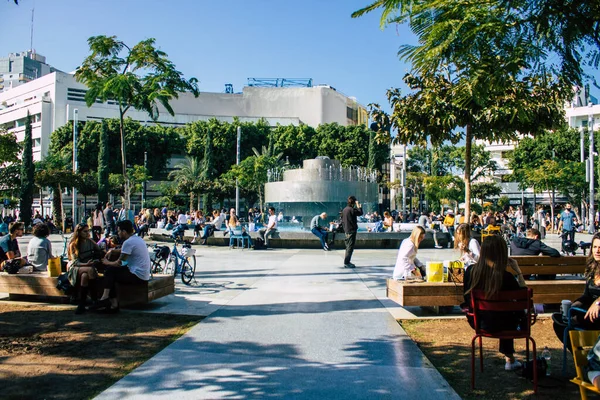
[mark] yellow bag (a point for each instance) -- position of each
(435, 271)
(54, 266)
(456, 271)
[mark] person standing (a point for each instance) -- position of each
(566, 222)
(319, 231)
(349, 222)
(97, 222)
(109, 219)
(449, 224)
(267, 233)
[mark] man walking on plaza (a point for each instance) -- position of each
(319, 231)
(349, 222)
(566, 222)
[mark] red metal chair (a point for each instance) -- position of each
(513, 300)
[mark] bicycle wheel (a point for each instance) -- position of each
(188, 268)
(159, 266)
(170, 266)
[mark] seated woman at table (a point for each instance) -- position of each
(491, 275)
(82, 252)
(408, 265)
(469, 247)
(589, 319)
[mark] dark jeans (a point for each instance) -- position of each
(578, 321)
(208, 231)
(111, 229)
(112, 275)
(321, 234)
(506, 346)
(570, 235)
(96, 233)
(350, 241)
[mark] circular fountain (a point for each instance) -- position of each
(321, 185)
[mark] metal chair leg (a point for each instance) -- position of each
(473, 363)
(481, 353)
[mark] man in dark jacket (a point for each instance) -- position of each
(349, 215)
(531, 245)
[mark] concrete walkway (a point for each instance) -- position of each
(286, 324)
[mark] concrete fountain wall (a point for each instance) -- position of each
(322, 185)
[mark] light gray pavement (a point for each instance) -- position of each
(291, 324)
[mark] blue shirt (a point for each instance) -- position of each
(567, 219)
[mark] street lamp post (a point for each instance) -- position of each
(75, 164)
(582, 158)
(592, 216)
(404, 183)
(145, 173)
(237, 162)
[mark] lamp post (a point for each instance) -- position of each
(75, 165)
(404, 183)
(582, 159)
(237, 162)
(592, 216)
(145, 173)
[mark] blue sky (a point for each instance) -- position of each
(224, 41)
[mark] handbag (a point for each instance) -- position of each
(527, 370)
(456, 271)
(64, 284)
(54, 266)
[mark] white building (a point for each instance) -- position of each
(52, 98)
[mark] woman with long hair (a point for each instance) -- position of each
(97, 222)
(388, 222)
(491, 275)
(408, 265)
(82, 252)
(469, 247)
(589, 300)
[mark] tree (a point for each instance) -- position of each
(103, 160)
(53, 172)
(140, 77)
(9, 148)
(27, 175)
(485, 190)
(482, 164)
(188, 177)
(296, 142)
(473, 68)
(440, 188)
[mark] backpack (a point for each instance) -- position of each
(12, 266)
(259, 244)
(64, 284)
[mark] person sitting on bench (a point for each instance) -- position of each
(531, 245)
(133, 266)
(214, 225)
(82, 252)
(9, 247)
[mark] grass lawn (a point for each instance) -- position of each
(447, 344)
(48, 352)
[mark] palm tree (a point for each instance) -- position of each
(188, 177)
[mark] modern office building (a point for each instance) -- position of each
(52, 98)
(20, 68)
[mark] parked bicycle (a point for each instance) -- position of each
(159, 257)
(181, 262)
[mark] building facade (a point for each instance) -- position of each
(20, 68)
(52, 98)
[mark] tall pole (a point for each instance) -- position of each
(404, 183)
(237, 162)
(592, 215)
(75, 165)
(582, 159)
(144, 187)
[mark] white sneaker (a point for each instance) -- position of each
(193, 240)
(512, 366)
(437, 246)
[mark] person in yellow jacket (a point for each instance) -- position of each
(449, 224)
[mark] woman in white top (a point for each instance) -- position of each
(407, 264)
(469, 247)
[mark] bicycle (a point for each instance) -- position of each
(183, 262)
(159, 257)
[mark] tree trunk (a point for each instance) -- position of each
(191, 201)
(123, 159)
(467, 178)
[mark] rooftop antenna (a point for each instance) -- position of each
(31, 38)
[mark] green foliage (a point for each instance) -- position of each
(188, 177)
(10, 179)
(440, 188)
(141, 77)
(27, 175)
(296, 142)
(484, 190)
(9, 148)
(557, 155)
(503, 203)
(88, 184)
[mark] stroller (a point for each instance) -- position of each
(568, 246)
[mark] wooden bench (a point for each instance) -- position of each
(417, 293)
(32, 287)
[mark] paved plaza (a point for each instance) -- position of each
(288, 323)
